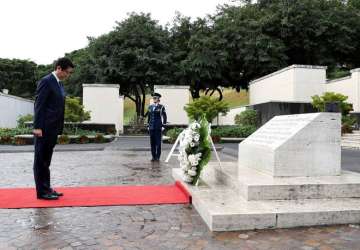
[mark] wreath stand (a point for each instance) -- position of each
(178, 141)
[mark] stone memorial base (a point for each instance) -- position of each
(288, 174)
(232, 198)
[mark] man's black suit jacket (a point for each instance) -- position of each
(49, 106)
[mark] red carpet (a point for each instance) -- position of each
(97, 196)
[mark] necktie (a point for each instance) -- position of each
(61, 85)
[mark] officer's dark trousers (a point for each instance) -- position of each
(44, 147)
(155, 141)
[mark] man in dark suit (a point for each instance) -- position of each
(48, 124)
(156, 120)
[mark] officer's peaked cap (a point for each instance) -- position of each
(156, 95)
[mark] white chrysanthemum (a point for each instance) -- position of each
(195, 126)
(184, 166)
(191, 172)
(187, 178)
(197, 137)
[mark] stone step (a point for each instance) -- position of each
(223, 210)
(350, 143)
(350, 146)
(351, 136)
(254, 185)
(355, 132)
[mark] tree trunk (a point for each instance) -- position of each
(143, 100)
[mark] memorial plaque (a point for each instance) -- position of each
(295, 145)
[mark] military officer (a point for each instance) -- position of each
(156, 120)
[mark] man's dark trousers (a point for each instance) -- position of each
(155, 141)
(44, 147)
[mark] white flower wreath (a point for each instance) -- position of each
(190, 140)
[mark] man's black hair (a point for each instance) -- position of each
(64, 63)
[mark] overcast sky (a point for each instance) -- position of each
(43, 30)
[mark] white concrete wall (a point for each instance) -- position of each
(308, 81)
(11, 107)
(292, 84)
(277, 86)
(174, 98)
(229, 118)
(105, 104)
(349, 86)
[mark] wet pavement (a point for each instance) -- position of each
(134, 227)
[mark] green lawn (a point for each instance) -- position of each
(232, 97)
(236, 99)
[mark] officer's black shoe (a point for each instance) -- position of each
(153, 159)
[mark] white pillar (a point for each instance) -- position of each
(105, 104)
(355, 75)
(174, 97)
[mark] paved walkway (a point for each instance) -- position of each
(134, 227)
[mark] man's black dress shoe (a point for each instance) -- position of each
(56, 193)
(48, 197)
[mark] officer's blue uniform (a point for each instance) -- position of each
(156, 119)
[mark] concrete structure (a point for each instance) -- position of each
(105, 104)
(349, 86)
(294, 83)
(236, 196)
(229, 118)
(174, 97)
(11, 108)
(297, 83)
(291, 145)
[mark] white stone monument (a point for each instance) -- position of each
(105, 104)
(288, 174)
(295, 145)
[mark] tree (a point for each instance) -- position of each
(19, 76)
(85, 71)
(135, 55)
(314, 32)
(248, 52)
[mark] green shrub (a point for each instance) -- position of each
(5, 139)
(74, 110)
(99, 138)
(64, 139)
(83, 139)
(111, 131)
(19, 141)
(247, 118)
(318, 102)
(207, 106)
(14, 131)
(78, 131)
(24, 118)
(173, 134)
(233, 131)
(347, 124)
